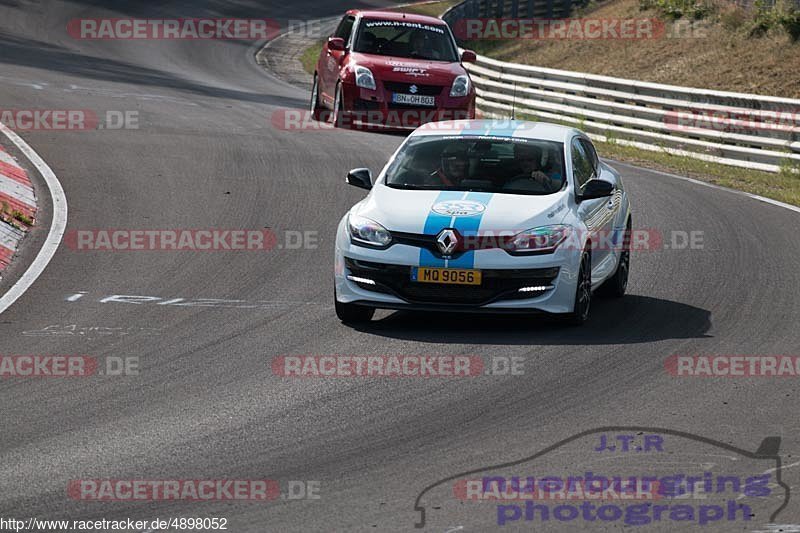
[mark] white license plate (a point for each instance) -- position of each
(413, 99)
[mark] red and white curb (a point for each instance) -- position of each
(9, 241)
(16, 194)
(17, 186)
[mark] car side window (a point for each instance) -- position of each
(592, 153)
(582, 167)
(345, 28)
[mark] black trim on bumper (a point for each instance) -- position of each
(453, 309)
(497, 285)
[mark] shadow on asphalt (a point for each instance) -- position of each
(38, 54)
(273, 9)
(94, 64)
(629, 320)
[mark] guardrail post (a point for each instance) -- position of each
(498, 8)
(474, 9)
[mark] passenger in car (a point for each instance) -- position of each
(532, 176)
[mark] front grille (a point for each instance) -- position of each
(405, 88)
(366, 105)
(465, 244)
(448, 294)
(421, 240)
(425, 112)
(497, 284)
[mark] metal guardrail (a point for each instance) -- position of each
(743, 130)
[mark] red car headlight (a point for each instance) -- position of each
(365, 79)
(460, 86)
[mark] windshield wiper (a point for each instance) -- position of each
(411, 186)
(523, 192)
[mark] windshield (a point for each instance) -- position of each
(405, 39)
(473, 163)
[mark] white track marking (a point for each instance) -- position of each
(57, 225)
(775, 528)
(784, 467)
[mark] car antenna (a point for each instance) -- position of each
(514, 102)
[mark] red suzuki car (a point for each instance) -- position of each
(391, 70)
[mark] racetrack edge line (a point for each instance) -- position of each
(58, 223)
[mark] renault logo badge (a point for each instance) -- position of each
(446, 241)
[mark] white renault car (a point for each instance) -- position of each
(485, 216)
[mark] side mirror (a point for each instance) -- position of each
(468, 56)
(360, 177)
(336, 43)
(596, 188)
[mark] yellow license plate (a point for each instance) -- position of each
(450, 276)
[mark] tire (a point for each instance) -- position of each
(352, 313)
(583, 293)
(338, 108)
(616, 285)
(316, 111)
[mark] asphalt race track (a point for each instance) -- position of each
(206, 404)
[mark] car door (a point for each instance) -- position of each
(614, 232)
(598, 214)
(331, 60)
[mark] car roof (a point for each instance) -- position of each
(523, 129)
(393, 15)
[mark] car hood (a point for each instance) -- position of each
(409, 70)
(428, 212)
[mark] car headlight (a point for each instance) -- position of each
(368, 232)
(543, 239)
(364, 78)
(460, 86)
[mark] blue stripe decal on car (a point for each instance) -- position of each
(507, 130)
(480, 131)
(466, 260)
(427, 259)
(499, 128)
(434, 224)
(468, 227)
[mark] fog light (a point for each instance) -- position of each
(361, 280)
(540, 288)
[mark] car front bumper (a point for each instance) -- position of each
(375, 109)
(389, 272)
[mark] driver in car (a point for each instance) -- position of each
(453, 165)
(532, 176)
(420, 46)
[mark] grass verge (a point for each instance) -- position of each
(705, 43)
(310, 55)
